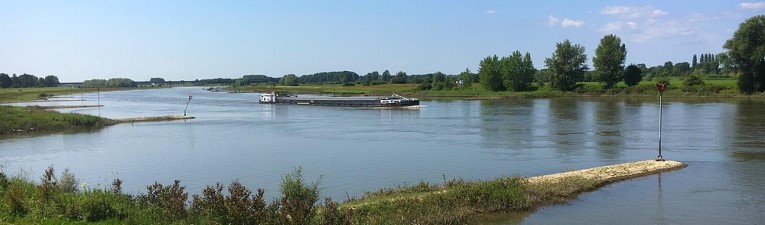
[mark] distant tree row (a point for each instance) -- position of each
(112, 82)
(329, 77)
(27, 80)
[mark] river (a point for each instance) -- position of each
(353, 150)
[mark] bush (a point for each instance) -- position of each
(298, 202)
(170, 200)
(424, 86)
(67, 183)
(331, 215)
(14, 200)
(693, 80)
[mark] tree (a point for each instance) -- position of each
(27, 80)
(694, 62)
(609, 61)
(668, 67)
(15, 81)
(747, 51)
(681, 69)
(567, 65)
(489, 74)
(5, 81)
(289, 80)
(727, 64)
(157, 80)
(400, 78)
(51, 81)
(517, 71)
(467, 78)
(439, 77)
(386, 76)
(632, 75)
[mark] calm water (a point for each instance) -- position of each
(355, 150)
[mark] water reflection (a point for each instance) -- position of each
(609, 115)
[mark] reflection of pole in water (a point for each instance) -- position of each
(661, 219)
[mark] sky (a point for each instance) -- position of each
(186, 40)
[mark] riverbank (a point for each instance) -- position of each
(38, 120)
(712, 88)
(458, 201)
(60, 200)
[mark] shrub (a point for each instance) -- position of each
(331, 215)
(298, 202)
(3, 180)
(170, 200)
(14, 200)
(117, 186)
(424, 86)
(67, 183)
(96, 208)
(693, 80)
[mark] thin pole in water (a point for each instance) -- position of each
(187, 106)
(98, 90)
(661, 88)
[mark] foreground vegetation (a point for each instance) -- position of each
(61, 201)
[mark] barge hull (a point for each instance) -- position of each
(345, 102)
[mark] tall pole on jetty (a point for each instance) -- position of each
(661, 87)
(187, 106)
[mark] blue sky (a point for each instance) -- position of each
(187, 40)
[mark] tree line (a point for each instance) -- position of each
(27, 80)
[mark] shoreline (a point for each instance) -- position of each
(459, 201)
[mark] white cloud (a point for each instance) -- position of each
(552, 21)
(571, 23)
(663, 29)
(659, 12)
(565, 22)
(618, 26)
(491, 11)
(611, 27)
(632, 12)
(752, 5)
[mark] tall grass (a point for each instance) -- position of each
(29, 119)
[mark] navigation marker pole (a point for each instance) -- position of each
(187, 106)
(661, 87)
(99, 101)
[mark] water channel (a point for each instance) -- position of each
(356, 150)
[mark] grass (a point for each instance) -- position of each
(29, 119)
(458, 201)
(28, 94)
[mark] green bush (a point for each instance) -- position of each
(169, 200)
(299, 198)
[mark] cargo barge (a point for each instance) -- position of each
(358, 101)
